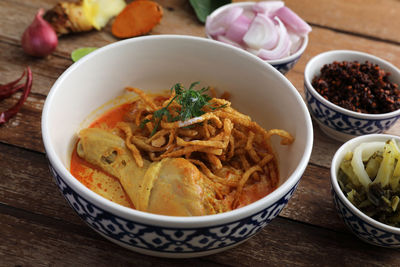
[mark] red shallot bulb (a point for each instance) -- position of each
(39, 39)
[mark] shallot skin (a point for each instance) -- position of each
(39, 39)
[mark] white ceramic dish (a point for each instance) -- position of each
(155, 63)
(283, 64)
(363, 226)
(337, 122)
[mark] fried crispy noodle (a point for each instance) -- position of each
(189, 122)
(216, 144)
(128, 133)
(242, 182)
(287, 139)
(220, 138)
(144, 97)
(233, 153)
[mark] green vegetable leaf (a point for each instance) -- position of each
(192, 102)
(143, 123)
(81, 52)
(203, 8)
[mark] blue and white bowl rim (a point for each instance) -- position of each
(168, 221)
(382, 64)
(339, 193)
(352, 115)
(374, 226)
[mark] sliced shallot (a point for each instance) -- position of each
(238, 29)
(296, 41)
(293, 21)
(249, 13)
(268, 7)
(261, 33)
(267, 29)
(251, 50)
(219, 24)
(223, 39)
(282, 49)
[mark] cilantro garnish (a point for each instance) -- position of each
(192, 102)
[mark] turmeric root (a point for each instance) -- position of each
(82, 16)
(137, 18)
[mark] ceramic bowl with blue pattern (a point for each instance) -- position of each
(363, 226)
(283, 65)
(155, 63)
(337, 122)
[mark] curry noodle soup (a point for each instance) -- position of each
(186, 153)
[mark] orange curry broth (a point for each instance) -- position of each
(102, 184)
(109, 186)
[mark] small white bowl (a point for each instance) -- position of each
(283, 64)
(337, 122)
(363, 226)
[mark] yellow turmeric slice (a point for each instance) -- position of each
(137, 18)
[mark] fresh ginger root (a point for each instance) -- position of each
(82, 16)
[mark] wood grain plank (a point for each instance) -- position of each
(312, 202)
(374, 18)
(22, 14)
(28, 240)
(366, 17)
(377, 19)
(44, 71)
(178, 18)
(26, 184)
(287, 243)
(24, 129)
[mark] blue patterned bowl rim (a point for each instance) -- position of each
(343, 55)
(355, 115)
(369, 236)
(276, 62)
(162, 220)
(136, 236)
(338, 157)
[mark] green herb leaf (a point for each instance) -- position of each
(81, 52)
(192, 103)
(203, 8)
(143, 123)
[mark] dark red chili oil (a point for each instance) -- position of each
(359, 87)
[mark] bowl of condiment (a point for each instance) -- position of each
(352, 93)
(150, 176)
(267, 29)
(365, 174)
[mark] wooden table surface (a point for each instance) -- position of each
(37, 227)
